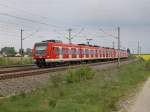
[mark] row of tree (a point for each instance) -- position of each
(11, 51)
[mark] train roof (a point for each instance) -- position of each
(59, 42)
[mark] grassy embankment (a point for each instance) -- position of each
(14, 60)
(81, 90)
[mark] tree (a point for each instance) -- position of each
(8, 51)
(28, 51)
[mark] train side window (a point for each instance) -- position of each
(82, 51)
(94, 52)
(56, 50)
(67, 51)
(86, 51)
(78, 51)
(73, 51)
(63, 51)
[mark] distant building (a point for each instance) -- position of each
(4, 54)
(18, 55)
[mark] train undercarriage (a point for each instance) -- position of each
(41, 63)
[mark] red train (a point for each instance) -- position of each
(52, 52)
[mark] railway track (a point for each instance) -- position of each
(14, 66)
(36, 71)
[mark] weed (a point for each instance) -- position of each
(52, 102)
(82, 73)
(147, 65)
(99, 94)
(56, 80)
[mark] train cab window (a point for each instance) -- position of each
(41, 46)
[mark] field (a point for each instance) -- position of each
(146, 57)
(14, 60)
(81, 90)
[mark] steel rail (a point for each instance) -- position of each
(33, 72)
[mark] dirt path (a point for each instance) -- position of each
(142, 102)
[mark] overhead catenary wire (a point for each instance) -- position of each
(108, 34)
(4, 5)
(30, 35)
(29, 20)
(82, 29)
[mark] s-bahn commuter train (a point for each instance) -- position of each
(53, 52)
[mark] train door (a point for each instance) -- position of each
(91, 53)
(87, 53)
(96, 53)
(80, 53)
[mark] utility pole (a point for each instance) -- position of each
(21, 50)
(140, 50)
(118, 46)
(70, 38)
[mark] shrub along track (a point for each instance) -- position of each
(36, 71)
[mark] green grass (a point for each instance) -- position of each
(14, 60)
(97, 94)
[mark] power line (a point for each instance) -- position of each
(33, 14)
(108, 34)
(26, 19)
(30, 35)
(60, 33)
(79, 32)
(22, 10)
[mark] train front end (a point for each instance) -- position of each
(40, 54)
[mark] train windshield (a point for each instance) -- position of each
(41, 46)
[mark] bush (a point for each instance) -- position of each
(56, 80)
(82, 73)
(147, 65)
(22, 94)
(52, 102)
(14, 60)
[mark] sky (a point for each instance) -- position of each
(94, 19)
